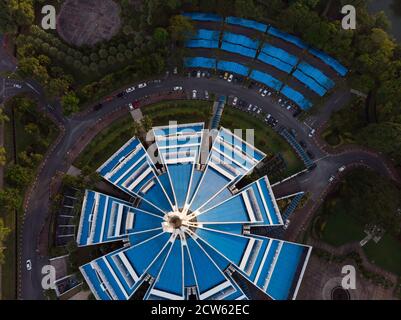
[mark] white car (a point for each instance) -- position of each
(177, 88)
(332, 178)
(264, 93)
(142, 85)
(18, 86)
(130, 106)
(194, 92)
(230, 78)
(341, 169)
(289, 107)
(198, 74)
(235, 101)
(28, 265)
(175, 71)
(312, 133)
(206, 95)
(250, 108)
(128, 90)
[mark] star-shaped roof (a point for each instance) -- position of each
(185, 228)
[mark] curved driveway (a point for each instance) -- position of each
(74, 128)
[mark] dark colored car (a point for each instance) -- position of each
(97, 107)
(302, 143)
(310, 154)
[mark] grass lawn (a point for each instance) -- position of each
(181, 111)
(342, 228)
(105, 144)
(386, 253)
(266, 139)
(113, 137)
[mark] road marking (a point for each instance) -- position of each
(322, 158)
(30, 86)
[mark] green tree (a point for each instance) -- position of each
(180, 28)
(3, 116)
(160, 37)
(70, 103)
(22, 11)
(18, 176)
(31, 67)
(4, 232)
(3, 157)
(10, 199)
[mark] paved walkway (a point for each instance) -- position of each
(354, 247)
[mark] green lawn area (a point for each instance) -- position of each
(386, 253)
(266, 139)
(181, 111)
(105, 144)
(342, 228)
(113, 137)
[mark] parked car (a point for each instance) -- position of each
(332, 178)
(235, 101)
(194, 93)
(310, 154)
(97, 107)
(177, 88)
(18, 86)
(198, 74)
(264, 92)
(302, 143)
(297, 113)
(225, 76)
(130, 107)
(341, 169)
(206, 95)
(242, 103)
(142, 85)
(121, 94)
(230, 78)
(311, 133)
